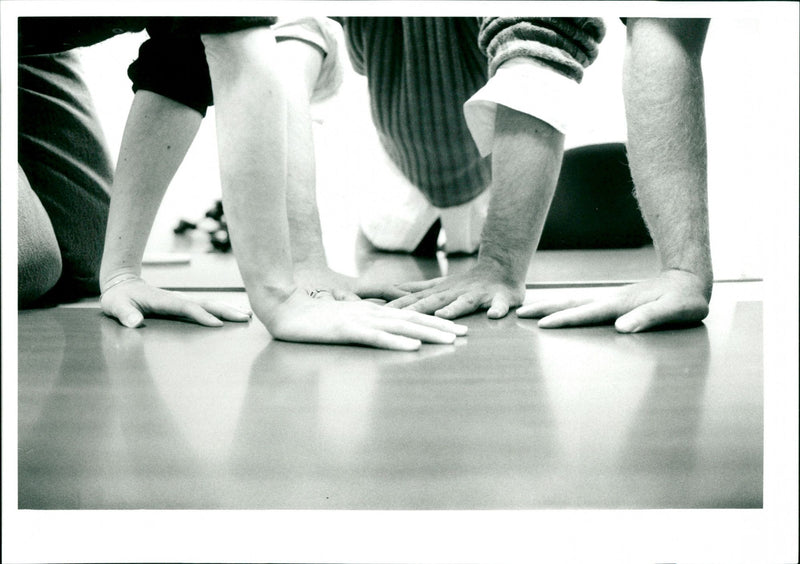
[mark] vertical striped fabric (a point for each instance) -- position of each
(420, 73)
(422, 70)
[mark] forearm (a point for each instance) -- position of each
(157, 136)
(251, 133)
(300, 65)
(535, 67)
(526, 160)
(663, 89)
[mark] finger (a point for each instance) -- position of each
(462, 305)
(389, 341)
(322, 294)
(434, 302)
(543, 308)
(416, 331)
(125, 312)
(344, 295)
(198, 314)
(419, 284)
(589, 314)
(409, 299)
(164, 303)
(500, 306)
(386, 292)
(433, 321)
(226, 312)
(661, 312)
(384, 340)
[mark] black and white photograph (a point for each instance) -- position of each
(394, 282)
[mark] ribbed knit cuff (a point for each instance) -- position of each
(526, 86)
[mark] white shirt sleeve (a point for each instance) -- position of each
(524, 85)
(324, 33)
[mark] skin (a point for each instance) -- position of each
(526, 160)
(158, 132)
(663, 91)
(39, 258)
(664, 101)
(252, 112)
(308, 253)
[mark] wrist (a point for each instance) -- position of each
(502, 264)
(698, 266)
(113, 275)
(116, 278)
(266, 300)
(704, 281)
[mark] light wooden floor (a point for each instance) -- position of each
(179, 416)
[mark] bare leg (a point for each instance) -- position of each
(39, 261)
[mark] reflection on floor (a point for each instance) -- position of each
(549, 268)
(179, 416)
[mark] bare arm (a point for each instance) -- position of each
(299, 69)
(157, 135)
(664, 100)
(526, 160)
(300, 66)
(663, 90)
(251, 110)
(546, 58)
(253, 133)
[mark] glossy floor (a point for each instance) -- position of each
(206, 270)
(179, 416)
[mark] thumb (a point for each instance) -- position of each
(125, 312)
(344, 295)
(645, 317)
(499, 308)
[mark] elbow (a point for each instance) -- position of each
(241, 55)
(663, 51)
(665, 43)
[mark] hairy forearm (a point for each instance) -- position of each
(526, 160)
(251, 134)
(157, 136)
(664, 100)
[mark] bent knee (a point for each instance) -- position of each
(38, 254)
(38, 272)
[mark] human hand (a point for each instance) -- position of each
(482, 286)
(319, 318)
(673, 297)
(131, 299)
(342, 287)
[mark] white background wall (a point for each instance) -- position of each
(750, 86)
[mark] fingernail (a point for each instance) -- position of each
(546, 323)
(132, 320)
(461, 330)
